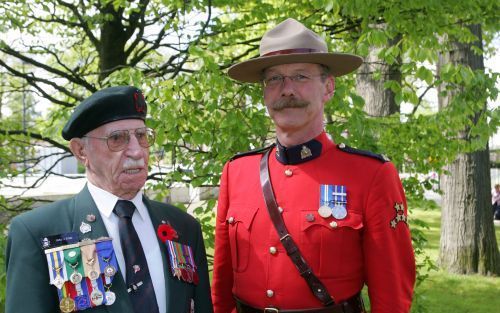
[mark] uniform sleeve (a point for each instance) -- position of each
(222, 282)
(28, 288)
(389, 259)
(202, 300)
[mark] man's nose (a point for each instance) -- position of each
(287, 87)
(133, 146)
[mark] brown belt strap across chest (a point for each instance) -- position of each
(317, 288)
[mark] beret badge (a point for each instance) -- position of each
(139, 102)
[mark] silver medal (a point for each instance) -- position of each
(93, 275)
(109, 270)
(110, 297)
(324, 211)
(75, 278)
(339, 212)
(96, 297)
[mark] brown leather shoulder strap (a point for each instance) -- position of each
(317, 288)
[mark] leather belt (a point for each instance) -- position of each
(351, 305)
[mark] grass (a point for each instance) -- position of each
(449, 293)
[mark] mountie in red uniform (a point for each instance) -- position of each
(365, 238)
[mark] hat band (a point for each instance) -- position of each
(291, 51)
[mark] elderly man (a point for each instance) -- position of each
(303, 224)
(109, 248)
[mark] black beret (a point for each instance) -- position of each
(104, 106)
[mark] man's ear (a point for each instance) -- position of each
(330, 88)
(77, 147)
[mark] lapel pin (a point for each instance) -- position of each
(90, 218)
(85, 228)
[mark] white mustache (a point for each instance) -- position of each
(130, 163)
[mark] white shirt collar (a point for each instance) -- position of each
(106, 201)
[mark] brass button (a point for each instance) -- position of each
(333, 224)
(280, 209)
(342, 145)
(288, 172)
(269, 293)
(273, 250)
(230, 220)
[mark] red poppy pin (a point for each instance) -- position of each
(166, 232)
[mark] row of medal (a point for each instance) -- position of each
(182, 263)
(333, 201)
(83, 273)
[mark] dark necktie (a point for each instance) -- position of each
(139, 284)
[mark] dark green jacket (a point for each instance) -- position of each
(28, 288)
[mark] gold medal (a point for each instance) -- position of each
(96, 297)
(325, 211)
(67, 305)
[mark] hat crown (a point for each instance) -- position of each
(290, 35)
(105, 106)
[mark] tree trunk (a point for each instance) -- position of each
(114, 36)
(468, 243)
(379, 101)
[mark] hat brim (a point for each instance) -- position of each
(250, 71)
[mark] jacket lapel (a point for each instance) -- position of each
(85, 207)
(158, 216)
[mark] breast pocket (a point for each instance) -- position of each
(331, 243)
(240, 221)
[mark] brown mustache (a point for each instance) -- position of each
(288, 103)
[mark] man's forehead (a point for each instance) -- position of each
(293, 67)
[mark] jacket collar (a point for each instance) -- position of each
(301, 153)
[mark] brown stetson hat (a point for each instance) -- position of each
(292, 42)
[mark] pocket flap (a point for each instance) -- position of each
(353, 220)
(244, 215)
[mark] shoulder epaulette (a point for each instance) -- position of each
(251, 152)
(370, 154)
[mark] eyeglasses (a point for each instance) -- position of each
(119, 139)
(278, 80)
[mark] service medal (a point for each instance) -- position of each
(67, 305)
(75, 278)
(109, 270)
(110, 297)
(339, 212)
(325, 211)
(93, 275)
(96, 297)
(82, 302)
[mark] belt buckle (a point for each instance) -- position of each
(271, 310)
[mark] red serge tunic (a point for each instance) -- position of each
(371, 245)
